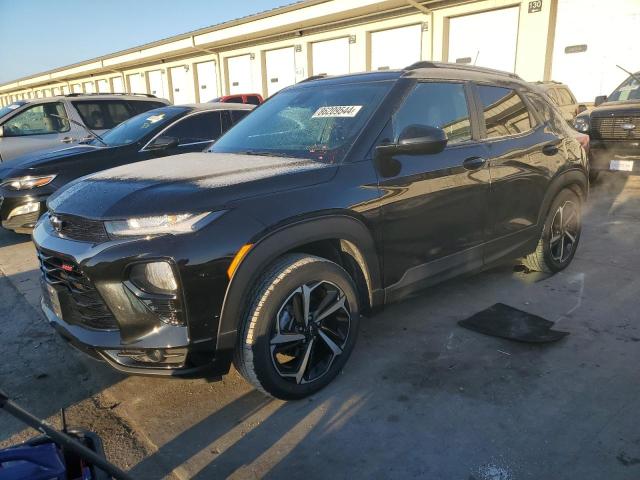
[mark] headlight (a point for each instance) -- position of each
(581, 124)
(28, 182)
(156, 225)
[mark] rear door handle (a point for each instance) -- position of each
(550, 149)
(474, 163)
(68, 140)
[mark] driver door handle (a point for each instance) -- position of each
(68, 140)
(474, 163)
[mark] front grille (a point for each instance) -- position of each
(85, 307)
(610, 128)
(78, 228)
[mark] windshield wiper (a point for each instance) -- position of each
(633, 75)
(261, 153)
(91, 132)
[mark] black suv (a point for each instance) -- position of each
(614, 129)
(335, 197)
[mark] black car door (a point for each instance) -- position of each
(434, 206)
(524, 155)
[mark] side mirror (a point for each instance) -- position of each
(417, 140)
(600, 99)
(163, 143)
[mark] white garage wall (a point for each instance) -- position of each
(103, 86)
(396, 48)
(240, 75)
(330, 57)
(136, 83)
(156, 84)
(182, 85)
(118, 85)
(611, 32)
(488, 39)
(207, 81)
(281, 69)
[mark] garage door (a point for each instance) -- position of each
(591, 38)
(207, 81)
(76, 87)
(103, 86)
(330, 57)
(89, 87)
(240, 77)
(396, 48)
(281, 69)
(136, 83)
(487, 39)
(118, 85)
(156, 84)
(182, 86)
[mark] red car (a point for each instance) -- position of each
(250, 98)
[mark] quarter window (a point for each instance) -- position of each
(505, 113)
(202, 127)
(38, 120)
(442, 105)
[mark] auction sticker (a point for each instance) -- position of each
(337, 111)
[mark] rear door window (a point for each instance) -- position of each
(237, 115)
(442, 105)
(198, 128)
(504, 111)
(103, 114)
(39, 119)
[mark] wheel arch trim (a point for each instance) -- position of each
(355, 238)
(557, 184)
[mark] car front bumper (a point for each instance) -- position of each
(615, 156)
(137, 341)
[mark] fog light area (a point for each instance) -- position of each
(152, 358)
(154, 277)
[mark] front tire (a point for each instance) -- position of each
(300, 328)
(560, 235)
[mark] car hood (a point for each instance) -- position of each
(191, 182)
(616, 108)
(33, 163)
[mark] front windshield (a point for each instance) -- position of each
(135, 128)
(317, 121)
(628, 90)
(10, 108)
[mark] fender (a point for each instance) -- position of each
(568, 177)
(354, 235)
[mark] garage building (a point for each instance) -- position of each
(578, 42)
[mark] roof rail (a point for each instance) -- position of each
(458, 66)
(149, 95)
(313, 77)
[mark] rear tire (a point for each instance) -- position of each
(560, 235)
(300, 328)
